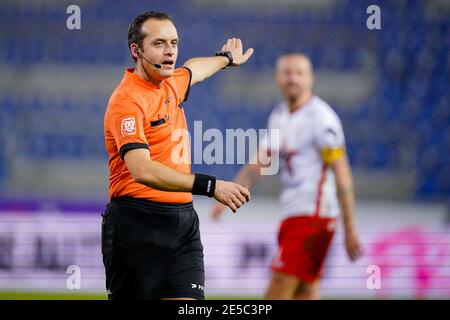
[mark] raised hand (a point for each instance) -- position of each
(234, 45)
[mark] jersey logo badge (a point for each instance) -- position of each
(128, 126)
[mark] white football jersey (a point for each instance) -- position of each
(308, 184)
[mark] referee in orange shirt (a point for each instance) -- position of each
(150, 231)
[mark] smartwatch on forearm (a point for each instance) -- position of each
(226, 54)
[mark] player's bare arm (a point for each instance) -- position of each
(246, 176)
(158, 176)
(205, 67)
(346, 197)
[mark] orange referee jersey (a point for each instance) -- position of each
(144, 115)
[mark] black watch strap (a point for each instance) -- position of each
(226, 54)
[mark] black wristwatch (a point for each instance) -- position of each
(228, 55)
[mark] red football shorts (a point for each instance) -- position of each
(303, 243)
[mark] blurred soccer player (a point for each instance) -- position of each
(315, 176)
(150, 233)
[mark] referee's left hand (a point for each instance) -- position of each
(234, 45)
(231, 194)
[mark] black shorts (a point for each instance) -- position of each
(152, 250)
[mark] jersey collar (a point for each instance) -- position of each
(131, 76)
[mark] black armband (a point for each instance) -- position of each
(204, 185)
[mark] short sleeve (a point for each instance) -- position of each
(329, 137)
(182, 82)
(126, 122)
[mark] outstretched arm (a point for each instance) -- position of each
(203, 68)
(247, 176)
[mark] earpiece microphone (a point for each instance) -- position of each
(158, 66)
(155, 65)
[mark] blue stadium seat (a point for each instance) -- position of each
(410, 102)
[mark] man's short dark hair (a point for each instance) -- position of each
(135, 34)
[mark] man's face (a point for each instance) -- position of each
(294, 76)
(159, 46)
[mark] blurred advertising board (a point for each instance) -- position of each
(407, 252)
